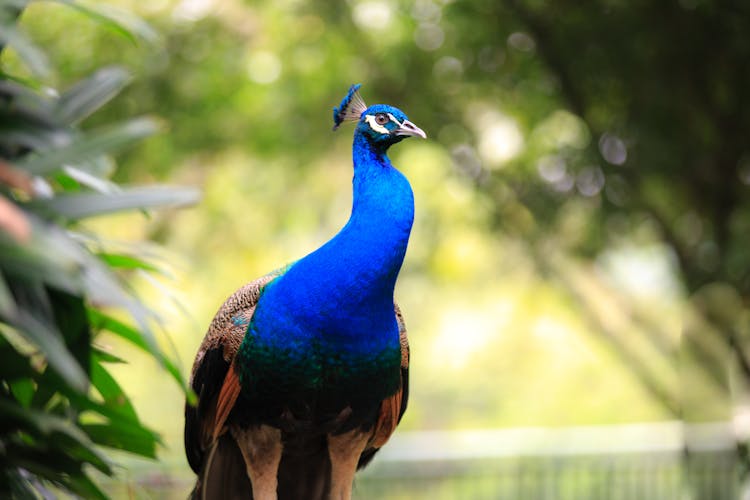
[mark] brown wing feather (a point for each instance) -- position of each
(388, 418)
(228, 327)
(230, 391)
(211, 370)
(393, 407)
(402, 338)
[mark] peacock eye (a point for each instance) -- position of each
(381, 119)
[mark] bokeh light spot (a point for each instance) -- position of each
(263, 67)
(613, 149)
(521, 41)
(448, 67)
(500, 139)
(373, 15)
(426, 11)
(590, 181)
(193, 10)
(551, 168)
(561, 129)
(429, 36)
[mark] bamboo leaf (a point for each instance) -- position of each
(49, 341)
(56, 327)
(81, 205)
(23, 391)
(29, 105)
(45, 424)
(21, 487)
(14, 365)
(113, 395)
(34, 58)
(82, 177)
(7, 304)
(90, 94)
(84, 486)
(102, 321)
(117, 20)
(86, 147)
(73, 269)
(106, 357)
(122, 429)
(35, 262)
(80, 450)
(24, 134)
(123, 437)
(18, 5)
(127, 262)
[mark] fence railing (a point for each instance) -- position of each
(654, 461)
(666, 460)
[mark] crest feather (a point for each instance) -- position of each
(351, 108)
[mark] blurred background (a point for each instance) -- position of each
(577, 284)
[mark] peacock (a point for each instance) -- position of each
(302, 375)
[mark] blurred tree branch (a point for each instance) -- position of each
(720, 106)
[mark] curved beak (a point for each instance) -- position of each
(407, 128)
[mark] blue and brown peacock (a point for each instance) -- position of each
(303, 373)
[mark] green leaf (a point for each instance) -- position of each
(23, 391)
(18, 5)
(50, 343)
(90, 94)
(44, 424)
(121, 430)
(40, 458)
(82, 451)
(14, 365)
(76, 206)
(17, 133)
(57, 459)
(117, 20)
(77, 177)
(113, 395)
(20, 487)
(127, 262)
(71, 268)
(86, 147)
(124, 437)
(106, 357)
(34, 58)
(102, 321)
(70, 316)
(85, 487)
(33, 262)
(7, 304)
(29, 105)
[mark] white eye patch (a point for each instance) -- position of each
(370, 119)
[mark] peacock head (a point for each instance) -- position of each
(381, 124)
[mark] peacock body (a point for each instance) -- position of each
(303, 374)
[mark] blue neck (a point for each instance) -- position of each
(344, 290)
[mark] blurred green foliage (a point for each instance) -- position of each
(579, 254)
(59, 283)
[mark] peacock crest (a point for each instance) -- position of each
(351, 108)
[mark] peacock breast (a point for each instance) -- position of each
(314, 373)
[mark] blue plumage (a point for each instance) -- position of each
(324, 357)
